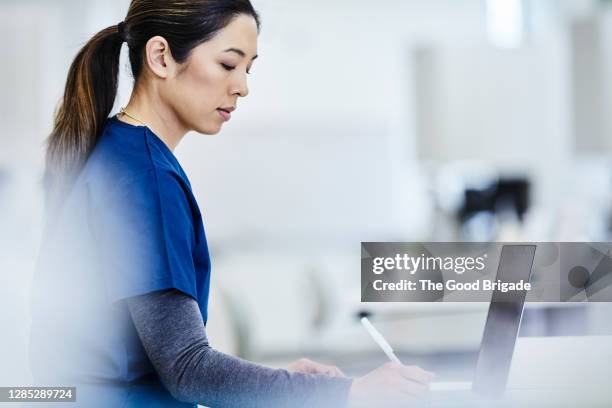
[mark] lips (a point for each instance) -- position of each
(226, 112)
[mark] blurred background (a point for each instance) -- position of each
(395, 120)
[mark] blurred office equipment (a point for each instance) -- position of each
(488, 210)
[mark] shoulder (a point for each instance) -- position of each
(154, 184)
(152, 187)
(151, 207)
(120, 152)
(130, 157)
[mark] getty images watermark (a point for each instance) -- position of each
(471, 272)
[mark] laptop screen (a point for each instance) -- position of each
(503, 321)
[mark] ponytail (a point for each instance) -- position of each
(88, 99)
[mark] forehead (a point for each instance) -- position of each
(240, 33)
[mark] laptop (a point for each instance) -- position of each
(499, 337)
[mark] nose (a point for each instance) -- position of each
(240, 88)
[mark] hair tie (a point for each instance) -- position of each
(121, 30)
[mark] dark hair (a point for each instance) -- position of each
(91, 86)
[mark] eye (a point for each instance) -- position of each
(228, 67)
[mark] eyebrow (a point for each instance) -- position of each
(239, 52)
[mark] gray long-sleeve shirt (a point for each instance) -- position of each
(170, 326)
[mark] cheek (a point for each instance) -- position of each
(197, 93)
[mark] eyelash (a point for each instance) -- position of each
(230, 68)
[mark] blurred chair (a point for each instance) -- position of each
(228, 327)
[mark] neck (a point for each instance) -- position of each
(146, 106)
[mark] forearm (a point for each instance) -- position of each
(173, 333)
(217, 379)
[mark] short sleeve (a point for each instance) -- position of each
(147, 236)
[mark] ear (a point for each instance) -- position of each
(158, 56)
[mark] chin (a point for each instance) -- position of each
(209, 130)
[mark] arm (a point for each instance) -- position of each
(170, 326)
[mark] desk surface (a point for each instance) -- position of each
(561, 361)
(589, 397)
(546, 372)
(562, 371)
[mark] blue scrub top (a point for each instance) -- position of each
(130, 225)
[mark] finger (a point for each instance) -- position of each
(310, 366)
(312, 369)
(339, 373)
(334, 371)
(306, 362)
(318, 368)
(416, 374)
(302, 365)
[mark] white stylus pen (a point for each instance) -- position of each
(380, 340)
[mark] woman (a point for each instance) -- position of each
(121, 290)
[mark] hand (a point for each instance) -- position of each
(307, 366)
(390, 385)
